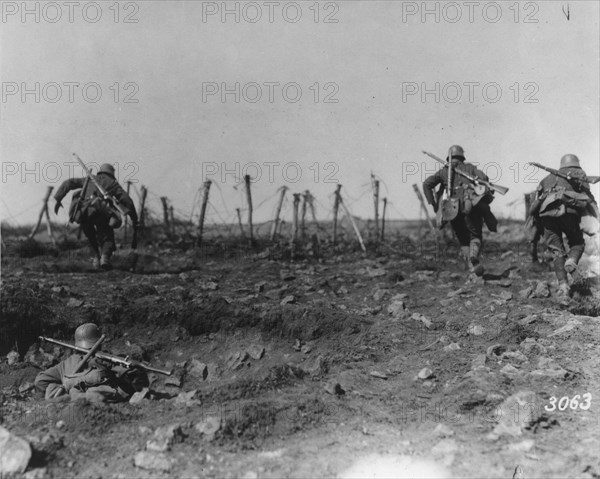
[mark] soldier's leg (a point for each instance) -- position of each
(553, 236)
(462, 234)
(474, 223)
(575, 240)
(89, 230)
(107, 241)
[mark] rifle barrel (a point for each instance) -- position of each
(107, 357)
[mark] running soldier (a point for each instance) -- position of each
(98, 219)
(473, 209)
(562, 198)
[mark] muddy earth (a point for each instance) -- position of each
(332, 363)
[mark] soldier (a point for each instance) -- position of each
(97, 218)
(97, 382)
(560, 204)
(473, 210)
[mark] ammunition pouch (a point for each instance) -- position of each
(558, 200)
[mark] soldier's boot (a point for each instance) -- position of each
(96, 262)
(474, 258)
(573, 258)
(465, 253)
(105, 261)
(534, 252)
(561, 274)
(564, 291)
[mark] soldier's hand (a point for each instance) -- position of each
(57, 207)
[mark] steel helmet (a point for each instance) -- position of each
(87, 335)
(108, 169)
(569, 160)
(456, 150)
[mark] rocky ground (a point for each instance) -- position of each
(335, 364)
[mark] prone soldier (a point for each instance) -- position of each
(97, 216)
(473, 205)
(96, 380)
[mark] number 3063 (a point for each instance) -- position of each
(564, 403)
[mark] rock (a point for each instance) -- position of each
(12, 358)
(314, 367)
(400, 297)
(509, 370)
(373, 272)
(286, 275)
(209, 427)
(306, 349)
(445, 302)
(396, 308)
(74, 303)
(197, 369)
(260, 286)
(451, 347)
(297, 345)
(478, 361)
(475, 330)
(523, 446)
(174, 381)
(138, 396)
(526, 293)
(458, 292)
(15, 453)
(187, 399)
(517, 413)
(504, 295)
(152, 461)
(164, 437)
(548, 368)
(425, 373)
(380, 294)
(38, 357)
(289, 299)
(420, 317)
(494, 351)
(334, 388)
(531, 346)
(377, 374)
(237, 360)
(514, 356)
(256, 351)
(442, 430)
(37, 473)
(542, 290)
(499, 317)
(570, 326)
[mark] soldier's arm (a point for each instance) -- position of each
(125, 200)
(66, 186)
(429, 185)
(50, 381)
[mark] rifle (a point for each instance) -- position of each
(73, 216)
(108, 357)
(579, 182)
(110, 199)
(476, 181)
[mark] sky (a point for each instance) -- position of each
(300, 94)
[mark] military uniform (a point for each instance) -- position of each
(473, 210)
(96, 218)
(559, 205)
(97, 382)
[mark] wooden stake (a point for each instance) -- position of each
(239, 215)
(43, 211)
(126, 225)
(142, 208)
(295, 223)
(376, 200)
(360, 240)
(303, 217)
(312, 207)
(336, 204)
(205, 191)
(249, 199)
(278, 212)
(383, 218)
(172, 219)
(424, 208)
(165, 206)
